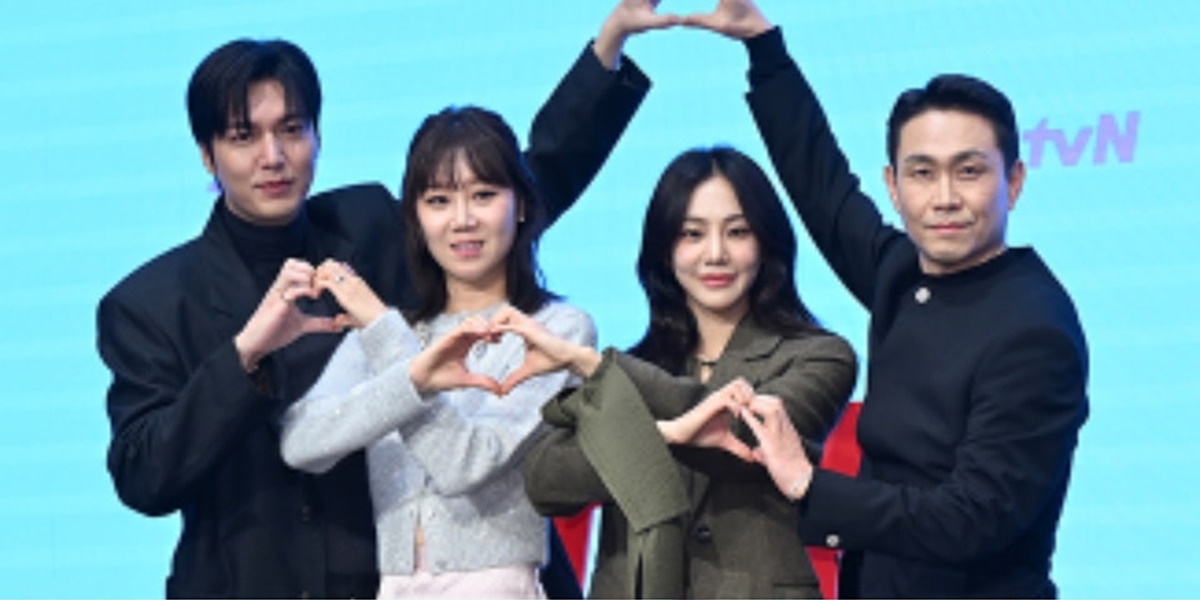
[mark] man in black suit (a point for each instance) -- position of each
(210, 341)
(977, 375)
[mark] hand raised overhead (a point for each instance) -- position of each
(628, 17)
(738, 19)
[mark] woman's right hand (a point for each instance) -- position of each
(709, 423)
(357, 298)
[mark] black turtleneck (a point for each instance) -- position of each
(264, 248)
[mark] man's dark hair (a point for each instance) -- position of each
(220, 84)
(962, 93)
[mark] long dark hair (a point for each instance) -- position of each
(672, 335)
(489, 147)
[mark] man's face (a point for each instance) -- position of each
(951, 190)
(264, 166)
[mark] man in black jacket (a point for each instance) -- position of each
(977, 378)
(210, 341)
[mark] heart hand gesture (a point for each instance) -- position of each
(443, 364)
(277, 321)
(544, 351)
(709, 423)
(737, 19)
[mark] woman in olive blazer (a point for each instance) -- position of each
(682, 517)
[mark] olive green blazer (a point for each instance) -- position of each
(739, 534)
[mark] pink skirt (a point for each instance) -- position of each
(500, 582)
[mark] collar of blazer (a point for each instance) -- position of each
(745, 353)
(228, 285)
(750, 342)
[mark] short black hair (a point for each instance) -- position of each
(220, 84)
(488, 145)
(963, 93)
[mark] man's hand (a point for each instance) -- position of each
(779, 448)
(360, 302)
(628, 17)
(277, 321)
(738, 19)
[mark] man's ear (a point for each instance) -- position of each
(1016, 182)
(889, 179)
(206, 157)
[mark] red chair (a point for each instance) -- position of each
(842, 455)
(575, 531)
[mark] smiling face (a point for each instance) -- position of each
(716, 257)
(469, 226)
(951, 190)
(264, 165)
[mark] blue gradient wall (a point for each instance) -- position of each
(98, 173)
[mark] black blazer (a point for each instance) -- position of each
(193, 433)
(976, 389)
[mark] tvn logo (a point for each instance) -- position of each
(1090, 142)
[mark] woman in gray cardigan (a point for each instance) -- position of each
(444, 449)
(683, 518)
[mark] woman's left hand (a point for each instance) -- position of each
(544, 351)
(443, 364)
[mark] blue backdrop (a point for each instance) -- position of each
(98, 173)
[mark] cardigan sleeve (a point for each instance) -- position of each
(463, 449)
(363, 393)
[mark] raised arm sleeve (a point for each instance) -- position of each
(843, 222)
(578, 126)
